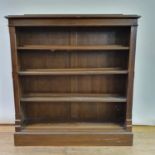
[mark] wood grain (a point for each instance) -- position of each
(73, 78)
(76, 71)
(53, 48)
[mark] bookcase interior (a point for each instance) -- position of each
(73, 35)
(73, 79)
(73, 75)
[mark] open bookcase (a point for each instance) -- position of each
(73, 78)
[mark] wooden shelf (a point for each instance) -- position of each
(92, 98)
(75, 71)
(71, 47)
(73, 127)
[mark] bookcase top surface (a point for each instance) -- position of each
(111, 16)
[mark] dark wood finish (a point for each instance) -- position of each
(74, 98)
(73, 78)
(76, 71)
(115, 84)
(74, 127)
(53, 48)
(73, 139)
(61, 16)
(73, 60)
(16, 86)
(72, 22)
(131, 78)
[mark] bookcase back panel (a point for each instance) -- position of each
(45, 112)
(74, 84)
(103, 36)
(42, 36)
(43, 60)
(72, 35)
(76, 59)
(76, 112)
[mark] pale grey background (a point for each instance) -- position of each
(144, 88)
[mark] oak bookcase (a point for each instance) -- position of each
(73, 78)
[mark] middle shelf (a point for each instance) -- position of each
(73, 71)
(40, 97)
(72, 48)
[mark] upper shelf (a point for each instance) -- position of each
(70, 47)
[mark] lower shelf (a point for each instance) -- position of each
(74, 127)
(73, 71)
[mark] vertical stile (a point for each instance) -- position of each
(131, 77)
(15, 77)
